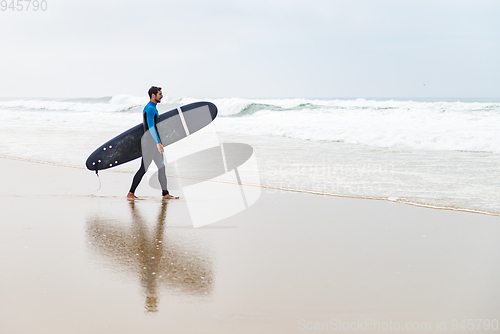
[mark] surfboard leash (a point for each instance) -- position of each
(98, 177)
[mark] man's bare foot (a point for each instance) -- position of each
(168, 196)
(131, 196)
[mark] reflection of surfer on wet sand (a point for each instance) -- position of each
(158, 259)
(149, 254)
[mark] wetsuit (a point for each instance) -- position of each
(150, 118)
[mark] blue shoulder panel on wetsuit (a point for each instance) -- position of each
(151, 112)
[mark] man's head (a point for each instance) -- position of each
(155, 94)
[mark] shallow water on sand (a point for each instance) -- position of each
(467, 181)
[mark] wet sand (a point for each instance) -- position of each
(291, 262)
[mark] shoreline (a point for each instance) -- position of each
(312, 192)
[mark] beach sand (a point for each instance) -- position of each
(291, 263)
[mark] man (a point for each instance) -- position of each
(150, 118)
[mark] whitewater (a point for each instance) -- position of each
(436, 152)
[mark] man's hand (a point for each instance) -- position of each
(160, 147)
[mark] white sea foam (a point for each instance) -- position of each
(469, 126)
(445, 126)
(108, 106)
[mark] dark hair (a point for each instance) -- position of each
(153, 90)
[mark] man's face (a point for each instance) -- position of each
(158, 97)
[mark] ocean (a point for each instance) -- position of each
(442, 153)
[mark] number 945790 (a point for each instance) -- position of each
(474, 324)
(23, 5)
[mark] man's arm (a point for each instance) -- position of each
(150, 120)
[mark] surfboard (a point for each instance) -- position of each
(172, 126)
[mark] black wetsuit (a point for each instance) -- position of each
(150, 118)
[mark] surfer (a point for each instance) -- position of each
(150, 118)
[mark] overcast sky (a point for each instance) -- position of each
(273, 48)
